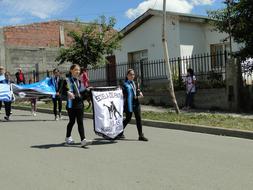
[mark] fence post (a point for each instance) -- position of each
(179, 69)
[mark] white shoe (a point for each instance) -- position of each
(85, 142)
(56, 118)
(69, 140)
(34, 114)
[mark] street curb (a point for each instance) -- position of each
(169, 125)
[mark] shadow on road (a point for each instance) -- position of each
(76, 145)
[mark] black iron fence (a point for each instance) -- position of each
(209, 69)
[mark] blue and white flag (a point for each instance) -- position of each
(5, 93)
(39, 89)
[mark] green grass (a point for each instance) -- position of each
(208, 119)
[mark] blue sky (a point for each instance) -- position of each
(15, 12)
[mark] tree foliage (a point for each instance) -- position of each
(240, 15)
(102, 39)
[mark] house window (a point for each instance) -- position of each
(138, 56)
(218, 54)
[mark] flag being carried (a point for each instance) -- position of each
(5, 93)
(39, 89)
(108, 111)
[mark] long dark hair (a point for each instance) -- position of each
(72, 67)
(190, 70)
(128, 71)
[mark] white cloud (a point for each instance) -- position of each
(183, 6)
(38, 8)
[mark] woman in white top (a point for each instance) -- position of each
(190, 83)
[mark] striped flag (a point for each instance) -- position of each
(43, 88)
(5, 93)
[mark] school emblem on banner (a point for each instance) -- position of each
(108, 111)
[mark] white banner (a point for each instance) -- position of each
(108, 111)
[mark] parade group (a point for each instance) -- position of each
(75, 87)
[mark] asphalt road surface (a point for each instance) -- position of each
(33, 157)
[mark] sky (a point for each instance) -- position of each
(18, 12)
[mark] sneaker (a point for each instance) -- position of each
(60, 116)
(142, 138)
(121, 136)
(34, 114)
(56, 118)
(69, 140)
(7, 118)
(85, 142)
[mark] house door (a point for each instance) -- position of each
(111, 71)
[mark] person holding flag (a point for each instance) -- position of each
(57, 82)
(75, 106)
(5, 79)
(132, 104)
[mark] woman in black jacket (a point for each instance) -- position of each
(75, 106)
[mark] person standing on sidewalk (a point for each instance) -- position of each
(20, 77)
(57, 81)
(190, 83)
(132, 104)
(75, 106)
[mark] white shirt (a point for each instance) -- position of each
(190, 86)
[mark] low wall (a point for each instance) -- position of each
(204, 98)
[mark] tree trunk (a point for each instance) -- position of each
(166, 56)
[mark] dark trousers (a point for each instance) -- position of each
(137, 114)
(189, 99)
(7, 106)
(75, 115)
(1, 104)
(58, 100)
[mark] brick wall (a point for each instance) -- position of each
(45, 34)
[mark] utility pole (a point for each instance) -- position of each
(166, 56)
(229, 2)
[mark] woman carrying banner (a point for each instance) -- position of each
(75, 106)
(132, 104)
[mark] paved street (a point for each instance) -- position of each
(33, 157)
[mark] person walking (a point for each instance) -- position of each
(57, 81)
(75, 106)
(84, 78)
(20, 77)
(132, 104)
(190, 83)
(5, 79)
(33, 100)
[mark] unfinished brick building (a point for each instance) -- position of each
(34, 46)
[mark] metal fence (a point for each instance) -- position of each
(209, 70)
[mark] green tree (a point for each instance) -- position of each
(240, 16)
(91, 43)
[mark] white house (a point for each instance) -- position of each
(187, 35)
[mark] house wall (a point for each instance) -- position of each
(185, 38)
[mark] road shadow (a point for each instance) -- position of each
(26, 120)
(75, 145)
